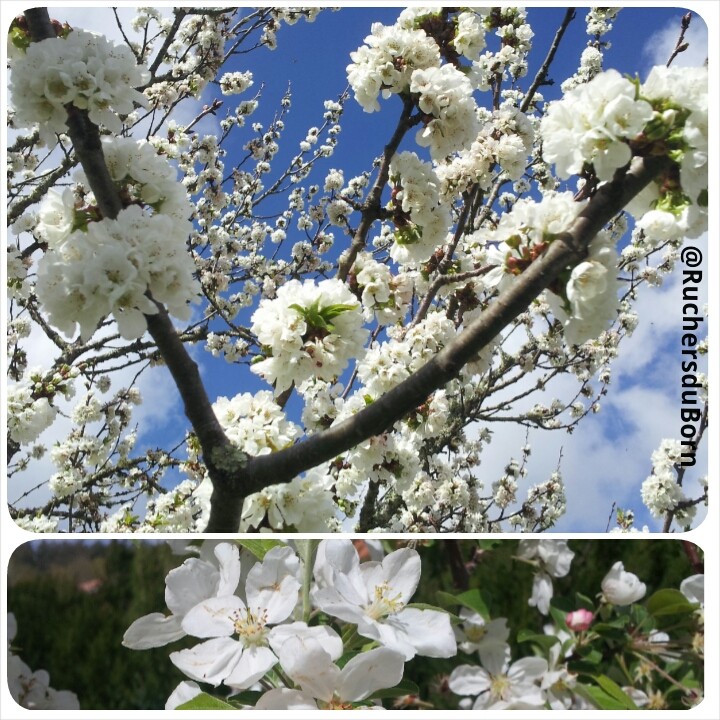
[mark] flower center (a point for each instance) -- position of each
(250, 626)
(500, 687)
(337, 704)
(384, 603)
(475, 633)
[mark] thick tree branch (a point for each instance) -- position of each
(570, 248)
(220, 456)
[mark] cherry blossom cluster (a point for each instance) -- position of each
(30, 402)
(308, 330)
(95, 267)
(252, 618)
(661, 491)
(256, 424)
(31, 689)
(421, 220)
(592, 123)
(81, 69)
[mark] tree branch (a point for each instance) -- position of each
(371, 209)
(221, 458)
(570, 248)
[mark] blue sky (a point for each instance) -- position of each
(608, 456)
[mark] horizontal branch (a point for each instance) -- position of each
(569, 249)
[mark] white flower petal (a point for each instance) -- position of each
(183, 693)
(228, 556)
(469, 680)
(273, 584)
(187, 585)
(285, 699)
(153, 630)
(370, 671)
(210, 662)
(213, 617)
(330, 641)
(310, 666)
(252, 665)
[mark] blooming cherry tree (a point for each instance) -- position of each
(393, 313)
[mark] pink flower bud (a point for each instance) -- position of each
(579, 620)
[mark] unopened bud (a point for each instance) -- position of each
(579, 620)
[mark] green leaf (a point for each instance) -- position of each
(583, 601)
(471, 599)
(203, 701)
(616, 692)
(19, 38)
(669, 602)
(259, 548)
(246, 697)
(404, 687)
(543, 641)
(598, 697)
(559, 617)
(320, 318)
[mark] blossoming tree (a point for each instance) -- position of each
(392, 316)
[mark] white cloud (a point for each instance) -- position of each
(659, 46)
(607, 457)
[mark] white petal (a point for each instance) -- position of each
(187, 585)
(370, 671)
(308, 665)
(285, 699)
(341, 554)
(331, 602)
(693, 588)
(228, 556)
(253, 664)
(210, 662)
(527, 670)
(402, 571)
(213, 617)
(153, 630)
(394, 634)
(330, 641)
(469, 680)
(428, 631)
(542, 592)
(184, 692)
(273, 584)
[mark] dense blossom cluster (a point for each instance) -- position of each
(308, 330)
(311, 625)
(96, 267)
(110, 267)
(82, 69)
(661, 492)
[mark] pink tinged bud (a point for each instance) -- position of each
(579, 620)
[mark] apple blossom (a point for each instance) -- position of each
(502, 686)
(309, 665)
(374, 596)
(271, 591)
(620, 587)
